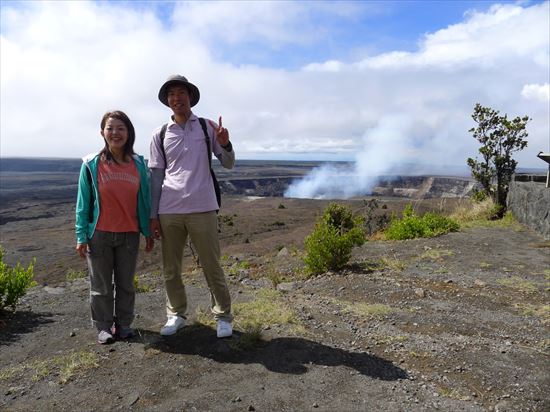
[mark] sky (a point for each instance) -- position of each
(379, 83)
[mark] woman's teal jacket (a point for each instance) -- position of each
(88, 207)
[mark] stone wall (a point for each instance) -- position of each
(529, 202)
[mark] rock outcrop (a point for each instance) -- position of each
(424, 187)
(415, 187)
(529, 202)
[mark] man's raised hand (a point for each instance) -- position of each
(222, 134)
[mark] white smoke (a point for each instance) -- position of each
(384, 149)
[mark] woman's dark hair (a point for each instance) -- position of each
(129, 146)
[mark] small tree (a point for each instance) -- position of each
(330, 244)
(500, 138)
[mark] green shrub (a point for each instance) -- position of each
(411, 226)
(238, 266)
(140, 287)
(14, 282)
(228, 220)
(75, 274)
(330, 244)
(478, 196)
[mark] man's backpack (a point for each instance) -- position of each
(208, 153)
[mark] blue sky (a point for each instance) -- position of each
(337, 30)
(318, 80)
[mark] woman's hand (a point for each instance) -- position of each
(149, 243)
(82, 249)
(154, 227)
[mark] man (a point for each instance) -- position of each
(184, 201)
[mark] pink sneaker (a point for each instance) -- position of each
(104, 337)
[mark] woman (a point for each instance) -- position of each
(112, 208)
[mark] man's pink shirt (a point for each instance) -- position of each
(187, 186)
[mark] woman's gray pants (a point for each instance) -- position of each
(112, 259)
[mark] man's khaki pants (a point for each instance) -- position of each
(202, 228)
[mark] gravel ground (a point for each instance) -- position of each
(455, 323)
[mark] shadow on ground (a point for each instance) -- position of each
(15, 324)
(288, 355)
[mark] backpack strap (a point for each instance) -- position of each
(207, 138)
(162, 135)
(209, 154)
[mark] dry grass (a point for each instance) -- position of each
(75, 274)
(204, 317)
(471, 213)
(272, 272)
(436, 254)
(485, 265)
(414, 354)
(518, 283)
(64, 366)
(392, 264)
(265, 310)
(541, 311)
(391, 339)
(379, 235)
(366, 310)
(460, 394)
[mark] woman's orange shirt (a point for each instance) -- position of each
(118, 191)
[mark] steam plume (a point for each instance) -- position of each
(383, 149)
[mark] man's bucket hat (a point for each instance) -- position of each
(194, 94)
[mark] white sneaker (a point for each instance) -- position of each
(224, 329)
(173, 324)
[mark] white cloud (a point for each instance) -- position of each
(539, 92)
(505, 32)
(237, 21)
(328, 66)
(63, 64)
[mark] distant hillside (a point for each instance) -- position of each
(16, 164)
(256, 168)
